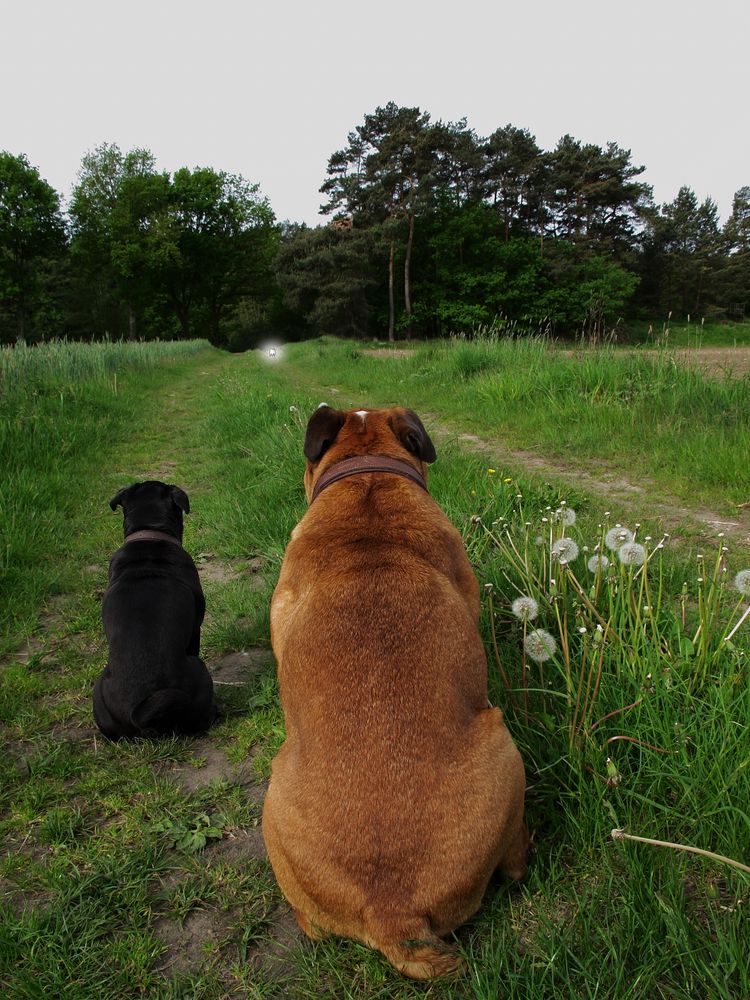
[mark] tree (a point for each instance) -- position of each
(733, 275)
(180, 252)
(386, 175)
(115, 210)
(219, 242)
(593, 199)
(32, 237)
(683, 253)
(325, 275)
(514, 179)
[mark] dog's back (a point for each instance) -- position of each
(154, 682)
(398, 790)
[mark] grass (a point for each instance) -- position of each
(637, 413)
(93, 880)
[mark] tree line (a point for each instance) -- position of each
(432, 229)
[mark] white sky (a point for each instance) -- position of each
(269, 90)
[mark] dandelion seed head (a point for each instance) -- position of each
(631, 554)
(565, 516)
(565, 550)
(525, 608)
(742, 582)
(617, 536)
(540, 645)
(597, 563)
(539, 540)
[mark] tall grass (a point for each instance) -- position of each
(62, 407)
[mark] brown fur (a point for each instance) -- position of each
(398, 790)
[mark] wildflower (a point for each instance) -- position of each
(631, 554)
(597, 564)
(292, 408)
(507, 480)
(564, 550)
(742, 582)
(565, 516)
(618, 536)
(525, 608)
(492, 471)
(540, 645)
(539, 540)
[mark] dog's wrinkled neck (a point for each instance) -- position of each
(149, 535)
(359, 464)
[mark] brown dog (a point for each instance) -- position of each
(398, 790)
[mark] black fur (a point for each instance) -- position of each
(155, 682)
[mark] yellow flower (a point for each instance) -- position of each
(508, 480)
(492, 471)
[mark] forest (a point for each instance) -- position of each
(429, 229)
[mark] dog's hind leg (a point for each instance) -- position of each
(104, 719)
(418, 952)
(516, 858)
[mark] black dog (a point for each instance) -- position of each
(155, 682)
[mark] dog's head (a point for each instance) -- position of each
(334, 435)
(153, 505)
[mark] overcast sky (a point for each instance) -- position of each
(269, 90)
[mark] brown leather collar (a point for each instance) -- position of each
(367, 463)
(147, 534)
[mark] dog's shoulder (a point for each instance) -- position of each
(154, 558)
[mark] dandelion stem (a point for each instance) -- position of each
(496, 651)
(640, 743)
(744, 616)
(621, 835)
(611, 715)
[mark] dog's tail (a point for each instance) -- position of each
(165, 711)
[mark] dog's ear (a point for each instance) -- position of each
(180, 498)
(410, 431)
(118, 500)
(322, 428)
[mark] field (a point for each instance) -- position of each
(138, 870)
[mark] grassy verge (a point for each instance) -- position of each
(102, 890)
(63, 409)
(654, 421)
(694, 334)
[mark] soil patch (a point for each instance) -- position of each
(239, 669)
(733, 362)
(189, 945)
(216, 570)
(390, 352)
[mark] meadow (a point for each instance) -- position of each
(137, 870)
